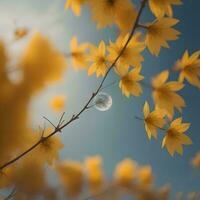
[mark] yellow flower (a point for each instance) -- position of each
(162, 7)
(99, 60)
(107, 12)
(125, 172)
(71, 176)
(196, 161)
(175, 137)
(129, 84)
(79, 57)
(41, 63)
(164, 94)
(153, 120)
(58, 103)
(94, 171)
(159, 33)
(131, 55)
(28, 176)
(189, 67)
(75, 5)
(49, 149)
(145, 176)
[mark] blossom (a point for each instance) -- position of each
(159, 33)
(95, 176)
(131, 55)
(189, 68)
(129, 83)
(99, 60)
(107, 12)
(78, 53)
(153, 120)
(175, 137)
(71, 176)
(162, 7)
(196, 160)
(58, 103)
(125, 172)
(75, 5)
(145, 176)
(40, 57)
(164, 94)
(49, 149)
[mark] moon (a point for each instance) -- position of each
(103, 101)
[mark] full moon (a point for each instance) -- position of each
(103, 101)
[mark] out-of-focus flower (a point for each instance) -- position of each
(145, 176)
(189, 68)
(58, 103)
(196, 160)
(75, 5)
(125, 172)
(71, 176)
(94, 172)
(175, 137)
(49, 149)
(78, 53)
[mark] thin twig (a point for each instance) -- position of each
(11, 194)
(85, 107)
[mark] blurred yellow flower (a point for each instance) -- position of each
(159, 33)
(20, 33)
(41, 63)
(196, 161)
(145, 176)
(153, 120)
(189, 68)
(131, 55)
(75, 5)
(58, 103)
(125, 172)
(99, 60)
(78, 53)
(163, 7)
(71, 176)
(28, 176)
(49, 149)
(129, 84)
(164, 94)
(95, 175)
(107, 12)
(175, 137)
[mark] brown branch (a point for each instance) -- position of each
(76, 116)
(10, 196)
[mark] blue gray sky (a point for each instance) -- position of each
(114, 134)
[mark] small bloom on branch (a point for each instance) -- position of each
(175, 137)
(189, 68)
(163, 7)
(159, 33)
(129, 83)
(164, 94)
(153, 120)
(99, 60)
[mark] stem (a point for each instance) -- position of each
(85, 107)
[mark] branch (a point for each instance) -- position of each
(86, 106)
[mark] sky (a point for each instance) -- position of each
(114, 134)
